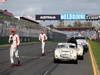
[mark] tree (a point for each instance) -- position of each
(77, 24)
(61, 24)
(69, 25)
(87, 24)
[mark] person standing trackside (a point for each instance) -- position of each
(14, 40)
(43, 38)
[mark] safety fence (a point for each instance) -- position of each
(4, 40)
(55, 35)
(52, 35)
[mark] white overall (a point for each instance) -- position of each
(42, 38)
(13, 49)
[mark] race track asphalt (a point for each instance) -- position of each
(35, 64)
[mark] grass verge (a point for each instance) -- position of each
(96, 51)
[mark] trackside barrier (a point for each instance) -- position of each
(56, 35)
(4, 40)
(53, 35)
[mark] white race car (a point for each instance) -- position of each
(65, 52)
(82, 41)
(80, 50)
(81, 44)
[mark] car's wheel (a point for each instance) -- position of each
(83, 52)
(86, 48)
(81, 57)
(76, 61)
(55, 60)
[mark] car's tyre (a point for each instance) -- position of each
(76, 61)
(55, 60)
(80, 57)
(84, 52)
(85, 48)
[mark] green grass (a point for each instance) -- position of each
(96, 51)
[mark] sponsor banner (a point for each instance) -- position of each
(68, 16)
(92, 17)
(72, 16)
(47, 17)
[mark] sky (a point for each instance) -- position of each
(33, 7)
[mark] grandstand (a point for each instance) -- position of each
(26, 28)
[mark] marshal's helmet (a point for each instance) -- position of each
(13, 29)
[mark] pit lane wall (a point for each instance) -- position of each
(56, 35)
(53, 35)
